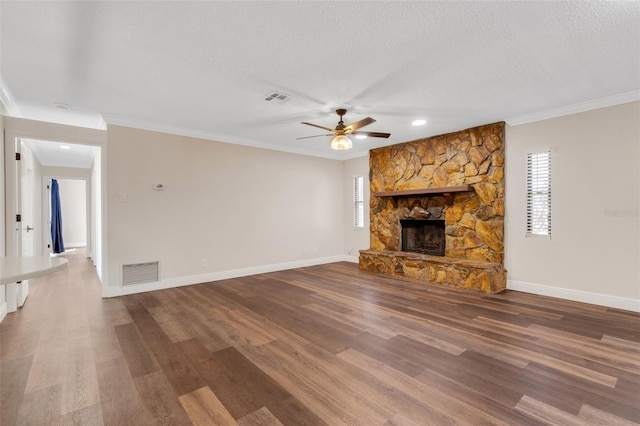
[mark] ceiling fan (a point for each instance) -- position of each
(340, 140)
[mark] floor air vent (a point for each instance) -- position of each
(138, 273)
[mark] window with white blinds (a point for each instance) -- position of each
(539, 194)
(358, 202)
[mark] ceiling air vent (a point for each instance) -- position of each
(138, 273)
(278, 97)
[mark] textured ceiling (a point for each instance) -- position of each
(204, 68)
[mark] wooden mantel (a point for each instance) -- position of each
(423, 191)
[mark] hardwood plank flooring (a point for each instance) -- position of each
(322, 345)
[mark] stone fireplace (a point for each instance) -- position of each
(456, 180)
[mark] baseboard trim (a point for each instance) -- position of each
(352, 259)
(576, 295)
(75, 245)
(115, 291)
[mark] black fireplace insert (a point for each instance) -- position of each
(424, 236)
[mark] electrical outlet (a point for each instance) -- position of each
(204, 263)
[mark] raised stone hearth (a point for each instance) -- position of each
(472, 162)
(471, 274)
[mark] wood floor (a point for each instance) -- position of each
(320, 345)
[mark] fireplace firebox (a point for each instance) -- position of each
(424, 236)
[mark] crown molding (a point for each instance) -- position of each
(607, 101)
(7, 100)
(182, 131)
(355, 154)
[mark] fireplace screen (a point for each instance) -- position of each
(423, 236)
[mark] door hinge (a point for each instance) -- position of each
(18, 218)
(17, 156)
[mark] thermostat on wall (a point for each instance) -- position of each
(159, 186)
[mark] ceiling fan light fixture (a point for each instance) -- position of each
(340, 143)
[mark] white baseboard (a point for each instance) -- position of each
(114, 291)
(352, 259)
(576, 295)
(3, 311)
(74, 245)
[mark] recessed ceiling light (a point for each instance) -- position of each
(361, 136)
(418, 122)
(65, 147)
(62, 105)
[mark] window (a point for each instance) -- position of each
(539, 194)
(358, 202)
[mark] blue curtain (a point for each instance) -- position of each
(56, 218)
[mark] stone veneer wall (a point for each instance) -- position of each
(474, 220)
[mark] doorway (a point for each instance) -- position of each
(74, 202)
(73, 167)
(49, 137)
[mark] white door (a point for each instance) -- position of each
(21, 241)
(47, 245)
(13, 198)
(15, 292)
(28, 200)
(29, 204)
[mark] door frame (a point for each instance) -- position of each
(65, 174)
(19, 128)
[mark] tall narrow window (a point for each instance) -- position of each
(539, 194)
(358, 202)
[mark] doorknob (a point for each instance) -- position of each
(29, 228)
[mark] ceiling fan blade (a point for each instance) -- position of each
(372, 134)
(316, 136)
(315, 125)
(361, 123)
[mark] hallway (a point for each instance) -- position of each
(50, 346)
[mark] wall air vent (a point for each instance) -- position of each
(278, 97)
(138, 273)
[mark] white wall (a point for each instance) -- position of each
(73, 202)
(95, 234)
(355, 239)
(2, 219)
(230, 208)
(3, 302)
(594, 250)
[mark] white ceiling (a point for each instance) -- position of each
(55, 154)
(204, 68)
